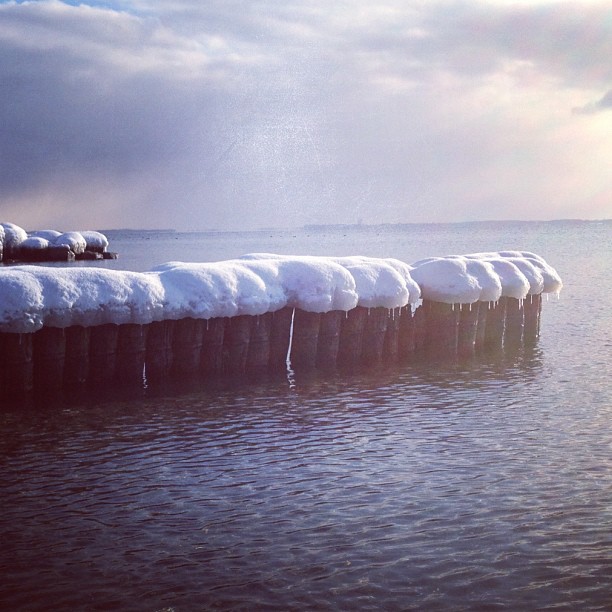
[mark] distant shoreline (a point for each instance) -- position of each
(317, 227)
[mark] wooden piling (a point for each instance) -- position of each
(16, 363)
(212, 346)
(419, 318)
(159, 352)
(496, 325)
(49, 354)
(103, 353)
(76, 365)
(391, 342)
(442, 327)
(187, 346)
(131, 351)
(280, 333)
(481, 326)
(305, 338)
(515, 322)
(329, 339)
(351, 337)
(237, 335)
(468, 327)
(406, 338)
(258, 355)
(374, 332)
(532, 306)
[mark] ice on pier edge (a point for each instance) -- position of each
(33, 296)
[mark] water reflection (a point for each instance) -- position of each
(406, 487)
(504, 366)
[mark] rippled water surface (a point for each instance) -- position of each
(481, 485)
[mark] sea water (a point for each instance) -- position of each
(480, 485)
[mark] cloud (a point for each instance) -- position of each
(603, 104)
(226, 114)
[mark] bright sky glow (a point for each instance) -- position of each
(233, 115)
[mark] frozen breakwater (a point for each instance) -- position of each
(65, 327)
(17, 245)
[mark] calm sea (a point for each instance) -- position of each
(480, 486)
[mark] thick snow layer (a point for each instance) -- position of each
(254, 285)
(34, 243)
(74, 240)
(385, 283)
(462, 279)
(32, 296)
(448, 280)
(15, 238)
(552, 280)
(95, 241)
(13, 235)
(47, 234)
(531, 272)
(514, 283)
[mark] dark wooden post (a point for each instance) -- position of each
(374, 332)
(515, 322)
(159, 354)
(468, 327)
(406, 339)
(187, 346)
(442, 326)
(351, 337)
(49, 345)
(103, 353)
(258, 356)
(131, 351)
(391, 344)
(280, 334)
(496, 325)
(533, 308)
(237, 335)
(329, 339)
(76, 366)
(212, 346)
(481, 326)
(17, 364)
(305, 338)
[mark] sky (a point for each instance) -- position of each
(240, 115)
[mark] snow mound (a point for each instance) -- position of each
(74, 240)
(47, 234)
(13, 237)
(95, 241)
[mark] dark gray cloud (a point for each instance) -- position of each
(246, 114)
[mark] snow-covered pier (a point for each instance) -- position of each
(62, 328)
(19, 246)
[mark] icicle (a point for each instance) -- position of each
(288, 358)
